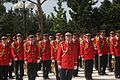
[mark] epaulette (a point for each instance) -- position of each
(51, 42)
(25, 44)
(92, 39)
(81, 41)
(39, 42)
(97, 38)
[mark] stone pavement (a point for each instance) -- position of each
(110, 76)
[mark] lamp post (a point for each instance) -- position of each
(23, 7)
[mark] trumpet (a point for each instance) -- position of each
(53, 68)
(113, 62)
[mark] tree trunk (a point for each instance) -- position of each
(40, 18)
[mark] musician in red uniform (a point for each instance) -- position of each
(103, 51)
(5, 58)
(95, 47)
(75, 41)
(31, 57)
(18, 56)
(45, 52)
(67, 58)
(87, 53)
(110, 44)
(116, 53)
(54, 49)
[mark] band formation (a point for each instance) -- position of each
(62, 55)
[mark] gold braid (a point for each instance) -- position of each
(64, 51)
(42, 47)
(55, 48)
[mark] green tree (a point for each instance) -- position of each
(81, 15)
(104, 10)
(59, 20)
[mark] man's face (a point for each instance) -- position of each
(111, 35)
(88, 37)
(103, 33)
(5, 41)
(46, 37)
(68, 37)
(19, 38)
(31, 39)
(58, 37)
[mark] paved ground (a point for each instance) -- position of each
(81, 74)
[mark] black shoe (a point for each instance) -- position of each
(105, 74)
(100, 73)
(47, 78)
(11, 77)
(117, 77)
(96, 68)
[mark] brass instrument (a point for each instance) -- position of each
(2, 53)
(53, 68)
(113, 63)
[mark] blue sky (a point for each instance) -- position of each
(48, 6)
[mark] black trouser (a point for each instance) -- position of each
(66, 74)
(96, 61)
(4, 72)
(57, 71)
(103, 60)
(76, 71)
(39, 65)
(32, 70)
(88, 69)
(19, 65)
(46, 68)
(11, 69)
(117, 66)
(80, 62)
(109, 62)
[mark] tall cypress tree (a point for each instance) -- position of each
(59, 20)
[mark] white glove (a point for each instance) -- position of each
(75, 67)
(82, 59)
(59, 66)
(100, 54)
(25, 62)
(53, 61)
(15, 59)
(113, 56)
(10, 63)
(38, 60)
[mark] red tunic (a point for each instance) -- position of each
(31, 52)
(54, 49)
(102, 46)
(67, 57)
(18, 50)
(5, 55)
(112, 51)
(77, 44)
(117, 46)
(87, 50)
(95, 45)
(45, 50)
